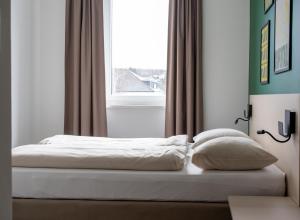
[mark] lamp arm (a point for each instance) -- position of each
(237, 120)
(275, 139)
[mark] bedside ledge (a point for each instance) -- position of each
(263, 208)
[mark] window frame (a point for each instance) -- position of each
(126, 98)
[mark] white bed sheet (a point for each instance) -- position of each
(189, 184)
(78, 152)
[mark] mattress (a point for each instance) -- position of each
(189, 184)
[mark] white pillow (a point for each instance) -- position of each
(216, 133)
(232, 153)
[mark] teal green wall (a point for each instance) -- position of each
(288, 82)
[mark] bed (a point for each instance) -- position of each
(188, 185)
(49, 192)
(106, 194)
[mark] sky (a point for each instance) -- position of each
(139, 33)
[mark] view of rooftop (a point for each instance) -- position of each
(138, 80)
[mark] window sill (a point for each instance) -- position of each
(135, 107)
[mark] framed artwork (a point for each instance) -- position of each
(283, 20)
(265, 54)
(268, 4)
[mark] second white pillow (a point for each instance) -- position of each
(216, 133)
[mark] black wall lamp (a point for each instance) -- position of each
(286, 130)
(247, 115)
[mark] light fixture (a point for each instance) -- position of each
(247, 115)
(286, 130)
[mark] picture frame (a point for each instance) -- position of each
(265, 53)
(283, 36)
(267, 5)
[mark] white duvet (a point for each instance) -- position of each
(64, 151)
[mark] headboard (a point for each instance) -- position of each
(267, 111)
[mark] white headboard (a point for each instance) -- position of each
(267, 111)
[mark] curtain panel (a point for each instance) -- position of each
(85, 104)
(184, 101)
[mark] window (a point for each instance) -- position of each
(136, 33)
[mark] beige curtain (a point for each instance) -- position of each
(184, 102)
(85, 107)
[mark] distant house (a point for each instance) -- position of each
(138, 80)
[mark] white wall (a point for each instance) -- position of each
(226, 40)
(37, 69)
(5, 112)
(136, 121)
(226, 61)
(22, 71)
(49, 55)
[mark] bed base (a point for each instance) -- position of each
(45, 209)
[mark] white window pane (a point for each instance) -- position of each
(139, 46)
